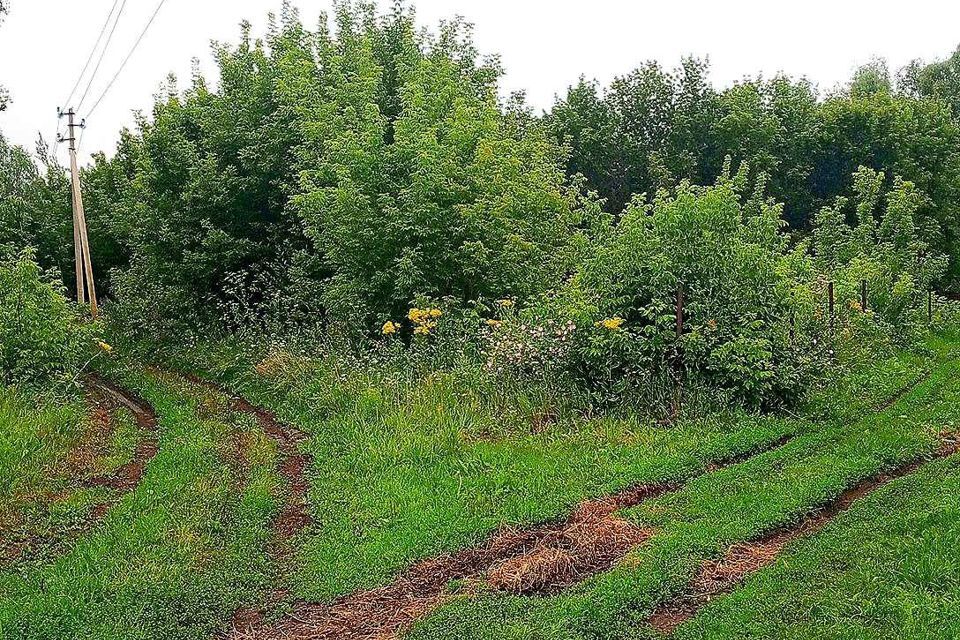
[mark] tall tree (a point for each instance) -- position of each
(415, 182)
(939, 80)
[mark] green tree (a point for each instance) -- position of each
(415, 182)
(939, 80)
(35, 208)
(191, 209)
(4, 96)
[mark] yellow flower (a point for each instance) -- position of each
(506, 303)
(389, 328)
(494, 323)
(104, 346)
(422, 331)
(435, 313)
(612, 324)
(855, 305)
(415, 315)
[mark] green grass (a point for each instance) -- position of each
(36, 434)
(405, 473)
(174, 558)
(888, 569)
(123, 442)
(712, 512)
(409, 466)
(49, 445)
(408, 469)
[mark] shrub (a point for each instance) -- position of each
(42, 338)
(884, 247)
(739, 282)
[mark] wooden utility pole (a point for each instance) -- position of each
(86, 287)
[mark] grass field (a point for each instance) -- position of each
(404, 472)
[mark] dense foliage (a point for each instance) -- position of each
(4, 96)
(41, 336)
(368, 179)
(652, 129)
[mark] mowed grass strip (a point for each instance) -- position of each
(177, 555)
(711, 513)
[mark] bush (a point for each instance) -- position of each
(739, 283)
(42, 338)
(883, 247)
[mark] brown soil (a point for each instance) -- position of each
(127, 477)
(538, 560)
(718, 577)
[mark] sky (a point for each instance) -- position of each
(545, 45)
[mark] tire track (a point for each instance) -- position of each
(541, 559)
(722, 576)
(293, 516)
(122, 481)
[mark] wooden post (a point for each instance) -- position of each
(679, 310)
(81, 251)
(831, 303)
(863, 296)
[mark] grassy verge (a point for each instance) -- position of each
(712, 512)
(177, 555)
(405, 473)
(409, 468)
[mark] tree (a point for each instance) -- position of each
(415, 183)
(191, 209)
(870, 79)
(939, 80)
(4, 96)
(35, 208)
(648, 131)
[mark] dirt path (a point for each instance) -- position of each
(293, 515)
(542, 559)
(718, 577)
(121, 481)
(128, 477)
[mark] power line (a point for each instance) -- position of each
(93, 51)
(127, 59)
(103, 53)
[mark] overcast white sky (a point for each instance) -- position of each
(545, 44)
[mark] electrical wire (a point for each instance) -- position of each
(103, 53)
(93, 51)
(127, 59)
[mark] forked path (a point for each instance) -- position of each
(541, 559)
(294, 513)
(718, 577)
